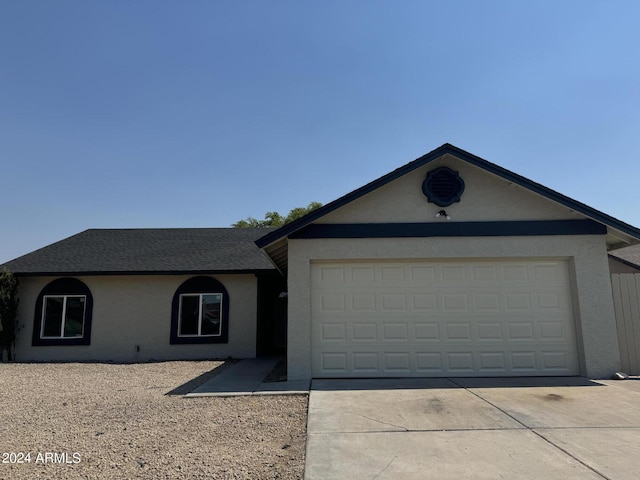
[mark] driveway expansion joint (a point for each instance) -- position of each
(387, 465)
(532, 430)
(401, 428)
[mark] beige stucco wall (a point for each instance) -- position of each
(616, 266)
(486, 198)
(136, 310)
(594, 311)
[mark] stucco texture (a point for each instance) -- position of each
(135, 311)
(593, 304)
(486, 198)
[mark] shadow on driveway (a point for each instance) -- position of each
(431, 383)
(473, 428)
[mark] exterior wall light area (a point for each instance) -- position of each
(443, 214)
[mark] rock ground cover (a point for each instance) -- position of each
(120, 423)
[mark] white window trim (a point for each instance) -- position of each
(64, 316)
(199, 334)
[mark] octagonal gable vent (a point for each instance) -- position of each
(443, 186)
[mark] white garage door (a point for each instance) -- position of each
(442, 318)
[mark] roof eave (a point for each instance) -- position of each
(629, 263)
(349, 197)
(94, 273)
(607, 220)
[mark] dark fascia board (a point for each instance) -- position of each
(451, 229)
(467, 157)
(624, 262)
(147, 273)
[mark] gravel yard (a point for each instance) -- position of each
(111, 421)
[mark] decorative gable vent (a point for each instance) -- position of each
(443, 186)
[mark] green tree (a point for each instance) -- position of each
(274, 219)
(8, 312)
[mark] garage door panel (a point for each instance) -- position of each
(426, 331)
(458, 332)
(521, 331)
(364, 332)
(546, 301)
(393, 274)
(333, 363)
(330, 275)
(518, 302)
(523, 362)
(422, 302)
(439, 318)
(429, 363)
(362, 275)
(363, 302)
(395, 332)
(485, 274)
(398, 362)
(551, 273)
(365, 363)
(490, 330)
(492, 362)
(487, 302)
(423, 275)
(333, 332)
(393, 302)
(554, 330)
(368, 362)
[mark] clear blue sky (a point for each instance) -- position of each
(199, 113)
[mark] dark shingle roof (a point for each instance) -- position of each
(629, 255)
(148, 251)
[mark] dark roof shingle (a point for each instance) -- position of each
(147, 251)
(630, 255)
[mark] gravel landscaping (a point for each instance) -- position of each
(113, 421)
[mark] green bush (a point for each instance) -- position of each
(8, 312)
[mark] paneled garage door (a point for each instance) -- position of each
(442, 318)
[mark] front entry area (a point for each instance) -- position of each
(442, 318)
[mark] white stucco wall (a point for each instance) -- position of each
(593, 304)
(136, 310)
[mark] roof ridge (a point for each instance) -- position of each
(469, 158)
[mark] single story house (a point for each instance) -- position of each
(448, 266)
(129, 295)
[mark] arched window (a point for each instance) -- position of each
(200, 312)
(63, 314)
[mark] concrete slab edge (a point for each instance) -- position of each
(244, 394)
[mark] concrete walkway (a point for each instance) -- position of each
(246, 378)
(551, 428)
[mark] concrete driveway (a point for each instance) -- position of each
(551, 428)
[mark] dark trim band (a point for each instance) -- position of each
(93, 273)
(451, 229)
(579, 207)
(624, 262)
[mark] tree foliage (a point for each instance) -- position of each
(274, 219)
(8, 312)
